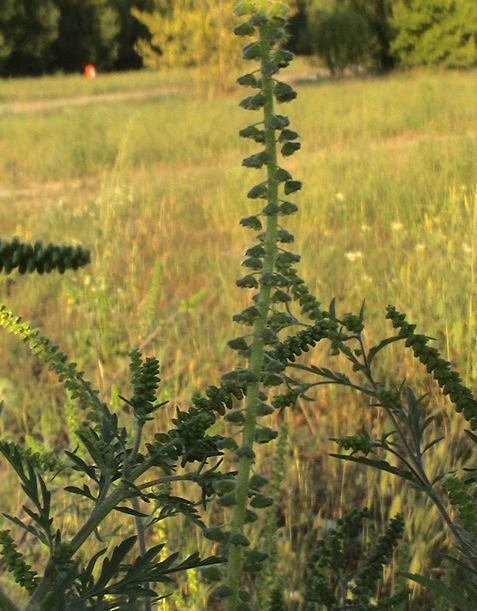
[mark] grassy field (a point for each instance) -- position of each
(155, 188)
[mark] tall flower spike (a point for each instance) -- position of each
(265, 21)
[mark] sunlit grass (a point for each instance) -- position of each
(388, 214)
(65, 86)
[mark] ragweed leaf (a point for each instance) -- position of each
(289, 148)
(256, 161)
(258, 192)
(254, 102)
(291, 186)
(251, 51)
(244, 29)
(284, 92)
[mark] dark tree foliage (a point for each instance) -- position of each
(88, 32)
(41, 36)
(27, 31)
(298, 40)
(342, 37)
(378, 14)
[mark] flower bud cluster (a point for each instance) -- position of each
(449, 380)
(389, 398)
(294, 345)
(461, 498)
(57, 361)
(15, 563)
(38, 258)
(145, 381)
(357, 443)
(381, 554)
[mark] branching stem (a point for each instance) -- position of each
(257, 348)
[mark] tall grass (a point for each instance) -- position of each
(387, 214)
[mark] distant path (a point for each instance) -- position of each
(83, 100)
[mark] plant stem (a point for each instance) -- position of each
(263, 304)
(104, 506)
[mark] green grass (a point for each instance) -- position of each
(387, 214)
(65, 86)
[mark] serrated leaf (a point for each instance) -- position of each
(288, 208)
(282, 57)
(258, 191)
(253, 102)
(471, 435)
(249, 132)
(282, 175)
(377, 464)
(331, 375)
(427, 422)
(248, 282)
(80, 464)
(130, 511)
(92, 562)
(257, 161)
(432, 443)
(362, 310)
(251, 221)
(244, 29)
(453, 595)
(252, 51)
(289, 148)
(279, 122)
(291, 186)
(284, 92)
(287, 134)
(31, 529)
(382, 344)
(85, 491)
(111, 566)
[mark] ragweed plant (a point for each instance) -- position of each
(272, 358)
(335, 583)
(110, 468)
(405, 450)
(266, 263)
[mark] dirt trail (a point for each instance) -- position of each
(41, 105)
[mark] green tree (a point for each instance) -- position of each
(88, 31)
(28, 29)
(130, 31)
(437, 33)
(378, 14)
(190, 33)
(342, 37)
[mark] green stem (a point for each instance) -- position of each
(141, 534)
(104, 506)
(263, 304)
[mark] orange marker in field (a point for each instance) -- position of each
(90, 71)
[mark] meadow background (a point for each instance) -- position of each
(155, 188)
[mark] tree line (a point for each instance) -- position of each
(45, 36)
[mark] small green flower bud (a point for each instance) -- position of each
(260, 500)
